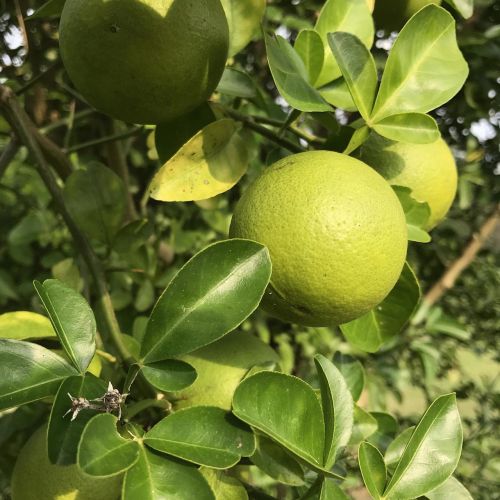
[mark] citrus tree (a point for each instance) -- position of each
(230, 196)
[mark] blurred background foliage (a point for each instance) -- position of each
(450, 346)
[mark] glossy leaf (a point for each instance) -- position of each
(210, 163)
(25, 325)
(72, 319)
(352, 371)
(310, 48)
(210, 296)
(243, 19)
(286, 409)
(349, 16)
(52, 8)
(223, 485)
(464, 7)
(451, 488)
(169, 375)
(96, 198)
(432, 453)
(102, 451)
(371, 331)
(425, 68)
(417, 128)
(372, 466)
(29, 372)
(396, 448)
(63, 432)
(156, 476)
(358, 69)
(337, 94)
(364, 426)
(291, 77)
(274, 460)
(337, 409)
(357, 139)
(236, 83)
(417, 215)
(204, 435)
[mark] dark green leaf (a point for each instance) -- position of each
(286, 409)
(96, 198)
(371, 464)
(310, 48)
(332, 491)
(210, 296)
(384, 322)
(29, 372)
(72, 319)
(204, 435)
(464, 7)
(63, 432)
(352, 371)
(396, 448)
(25, 325)
(236, 83)
(52, 8)
(102, 451)
(432, 453)
(417, 214)
(170, 375)
(291, 77)
(418, 128)
(337, 409)
(387, 427)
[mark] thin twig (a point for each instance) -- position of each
(38, 77)
(103, 140)
(8, 154)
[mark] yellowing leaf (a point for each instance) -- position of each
(210, 163)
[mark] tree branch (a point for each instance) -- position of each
(8, 154)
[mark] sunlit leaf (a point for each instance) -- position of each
(464, 7)
(310, 48)
(25, 325)
(451, 488)
(417, 215)
(408, 127)
(223, 485)
(371, 464)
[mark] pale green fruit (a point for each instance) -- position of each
(221, 366)
(144, 61)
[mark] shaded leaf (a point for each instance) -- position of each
(464, 7)
(25, 325)
(364, 426)
(396, 448)
(210, 296)
(417, 214)
(102, 451)
(52, 8)
(169, 375)
(29, 372)
(372, 466)
(310, 48)
(387, 427)
(224, 486)
(352, 371)
(210, 163)
(337, 94)
(332, 491)
(72, 319)
(451, 488)
(204, 435)
(359, 136)
(417, 128)
(236, 83)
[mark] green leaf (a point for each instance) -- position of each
(395, 450)
(96, 199)
(224, 486)
(451, 488)
(332, 491)
(72, 319)
(387, 427)
(236, 83)
(210, 163)
(417, 214)
(52, 8)
(337, 94)
(171, 136)
(337, 409)
(352, 371)
(350, 16)
(64, 433)
(102, 451)
(291, 77)
(286, 409)
(371, 331)
(210, 296)
(464, 7)
(25, 325)
(432, 453)
(29, 372)
(204, 435)
(274, 460)
(364, 426)
(156, 476)
(357, 139)
(169, 375)
(358, 69)
(417, 128)
(425, 68)
(372, 466)
(310, 48)
(243, 19)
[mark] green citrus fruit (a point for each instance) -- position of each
(429, 170)
(35, 478)
(336, 233)
(221, 366)
(391, 15)
(144, 61)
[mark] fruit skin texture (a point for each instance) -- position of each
(429, 170)
(144, 61)
(391, 15)
(35, 478)
(220, 367)
(336, 233)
